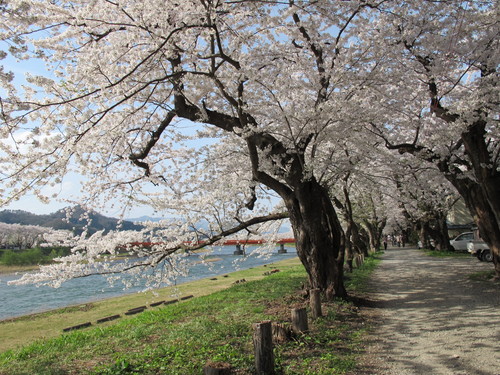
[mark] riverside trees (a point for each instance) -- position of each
(439, 92)
(20, 236)
(273, 87)
(269, 80)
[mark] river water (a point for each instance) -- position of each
(18, 300)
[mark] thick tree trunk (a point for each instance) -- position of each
(484, 217)
(481, 194)
(349, 251)
(435, 227)
(360, 245)
(375, 230)
(353, 246)
(483, 197)
(439, 232)
(319, 237)
(423, 234)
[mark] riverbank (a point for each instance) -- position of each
(8, 270)
(179, 339)
(22, 330)
(27, 299)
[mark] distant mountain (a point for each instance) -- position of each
(58, 220)
(145, 218)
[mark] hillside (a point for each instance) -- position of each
(58, 220)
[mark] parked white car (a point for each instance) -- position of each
(459, 243)
(480, 249)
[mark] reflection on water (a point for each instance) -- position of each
(17, 300)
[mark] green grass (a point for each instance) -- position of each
(31, 257)
(357, 281)
(446, 254)
(482, 275)
(180, 339)
(26, 329)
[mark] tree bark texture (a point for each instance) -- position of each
(299, 320)
(360, 245)
(482, 197)
(439, 232)
(263, 346)
(354, 246)
(318, 234)
(374, 229)
(319, 237)
(315, 302)
(483, 212)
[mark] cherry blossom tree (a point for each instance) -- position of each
(21, 236)
(439, 96)
(359, 192)
(426, 198)
(135, 87)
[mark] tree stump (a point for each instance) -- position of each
(217, 368)
(299, 320)
(281, 333)
(315, 302)
(263, 347)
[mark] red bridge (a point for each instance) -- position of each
(224, 243)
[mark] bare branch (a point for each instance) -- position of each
(137, 157)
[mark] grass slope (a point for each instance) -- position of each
(181, 338)
(26, 329)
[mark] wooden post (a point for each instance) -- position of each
(299, 320)
(263, 347)
(217, 368)
(315, 301)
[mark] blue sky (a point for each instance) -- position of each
(70, 187)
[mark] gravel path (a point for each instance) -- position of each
(431, 319)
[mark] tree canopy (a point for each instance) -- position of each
(276, 91)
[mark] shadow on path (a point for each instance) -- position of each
(431, 319)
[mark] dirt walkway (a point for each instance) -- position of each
(431, 319)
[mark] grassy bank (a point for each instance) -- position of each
(181, 338)
(446, 254)
(23, 330)
(4, 269)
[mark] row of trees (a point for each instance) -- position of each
(20, 236)
(216, 110)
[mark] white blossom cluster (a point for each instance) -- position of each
(21, 236)
(209, 110)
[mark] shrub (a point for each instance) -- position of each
(25, 258)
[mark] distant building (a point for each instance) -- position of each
(459, 219)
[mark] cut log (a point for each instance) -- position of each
(217, 368)
(315, 302)
(108, 318)
(263, 346)
(78, 326)
(299, 320)
(281, 333)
